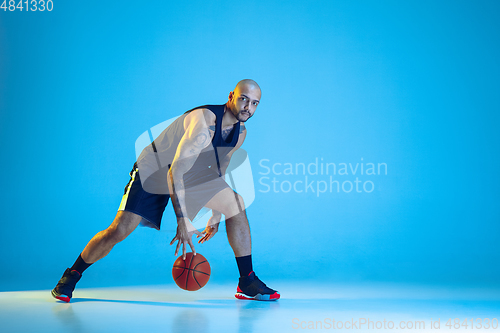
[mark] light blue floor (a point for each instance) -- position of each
(303, 307)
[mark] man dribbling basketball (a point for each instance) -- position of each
(187, 163)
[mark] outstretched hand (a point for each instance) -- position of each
(209, 232)
(183, 236)
(211, 229)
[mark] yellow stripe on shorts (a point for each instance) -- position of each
(125, 196)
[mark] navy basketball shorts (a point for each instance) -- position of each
(200, 188)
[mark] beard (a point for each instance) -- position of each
(243, 116)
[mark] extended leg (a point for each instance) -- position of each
(102, 243)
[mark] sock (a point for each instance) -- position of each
(244, 265)
(80, 266)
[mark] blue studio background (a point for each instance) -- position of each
(412, 86)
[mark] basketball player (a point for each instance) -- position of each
(186, 163)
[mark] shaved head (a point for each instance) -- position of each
(243, 100)
(248, 84)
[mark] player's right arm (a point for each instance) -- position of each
(197, 136)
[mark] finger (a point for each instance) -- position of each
(192, 247)
(184, 251)
(203, 239)
(177, 248)
(173, 240)
(198, 233)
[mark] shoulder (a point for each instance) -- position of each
(200, 116)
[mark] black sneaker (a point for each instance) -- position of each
(250, 287)
(64, 289)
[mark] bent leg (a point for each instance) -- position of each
(250, 287)
(232, 206)
(102, 243)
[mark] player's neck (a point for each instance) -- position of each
(228, 119)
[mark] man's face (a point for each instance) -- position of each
(244, 102)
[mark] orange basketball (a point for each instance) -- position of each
(193, 273)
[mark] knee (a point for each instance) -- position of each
(235, 206)
(115, 234)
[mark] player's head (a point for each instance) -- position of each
(243, 100)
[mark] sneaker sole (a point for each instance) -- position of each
(258, 297)
(63, 298)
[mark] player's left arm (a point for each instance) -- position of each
(213, 224)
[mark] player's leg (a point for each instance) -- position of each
(232, 206)
(102, 243)
(98, 247)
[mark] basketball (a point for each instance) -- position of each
(193, 273)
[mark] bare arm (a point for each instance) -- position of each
(197, 136)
